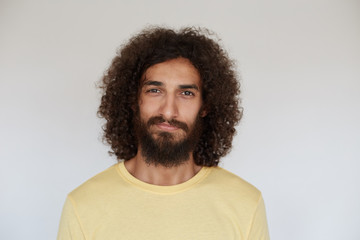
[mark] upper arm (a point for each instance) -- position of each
(259, 228)
(70, 226)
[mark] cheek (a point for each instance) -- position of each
(190, 112)
(146, 108)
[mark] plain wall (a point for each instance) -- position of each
(298, 141)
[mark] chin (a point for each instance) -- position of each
(167, 136)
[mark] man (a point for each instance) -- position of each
(171, 103)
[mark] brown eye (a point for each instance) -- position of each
(153, 90)
(188, 93)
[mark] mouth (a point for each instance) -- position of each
(166, 127)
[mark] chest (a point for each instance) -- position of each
(159, 217)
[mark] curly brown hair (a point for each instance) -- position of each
(153, 45)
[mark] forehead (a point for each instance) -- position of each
(174, 71)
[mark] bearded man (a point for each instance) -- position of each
(170, 100)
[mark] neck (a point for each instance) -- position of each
(160, 175)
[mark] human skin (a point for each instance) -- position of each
(172, 90)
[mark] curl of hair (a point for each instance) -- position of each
(220, 89)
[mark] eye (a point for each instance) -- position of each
(153, 90)
(188, 93)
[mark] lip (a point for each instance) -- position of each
(166, 127)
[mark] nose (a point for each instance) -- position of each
(169, 108)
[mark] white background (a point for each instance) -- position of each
(298, 141)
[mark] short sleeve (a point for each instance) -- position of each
(259, 228)
(70, 227)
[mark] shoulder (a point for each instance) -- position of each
(100, 185)
(233, 186)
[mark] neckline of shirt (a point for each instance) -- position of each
(204, 171)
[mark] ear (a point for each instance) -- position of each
(203, 112)
(135, 107)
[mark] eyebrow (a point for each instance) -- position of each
(154, 83)
(183, 86)
(191, 86)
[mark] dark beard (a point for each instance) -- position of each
(164, 150)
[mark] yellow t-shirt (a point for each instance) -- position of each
(214, 204)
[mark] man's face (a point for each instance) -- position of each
(169, 110)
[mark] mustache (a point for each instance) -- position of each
(172, 122)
